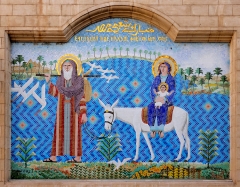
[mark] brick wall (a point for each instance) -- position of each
(182, 20)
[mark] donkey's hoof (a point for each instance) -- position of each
(185, 161)
(175, 161)
(134, 162)
(150, 161)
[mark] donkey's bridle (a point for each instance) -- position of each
(110, 112)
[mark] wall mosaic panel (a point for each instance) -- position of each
(117, 61)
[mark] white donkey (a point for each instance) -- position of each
(132, 116)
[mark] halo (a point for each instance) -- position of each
(165, 84)
(72, 57)
(161, 59)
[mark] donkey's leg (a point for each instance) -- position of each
(145, 134)
(187, 139)
(181, 140)
(137, 145)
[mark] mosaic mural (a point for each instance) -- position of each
(120, 100)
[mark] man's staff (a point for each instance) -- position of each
(43, 75)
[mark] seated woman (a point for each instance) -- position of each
(157, 116)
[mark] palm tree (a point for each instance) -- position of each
(14, 62)
(114, 49)
(181, 71)
(100, 52)
(24, 65)
(223, 79)
(120, 49)
(30, 66)
(43, 65)
(107, 51)
(94, 49)
(150, 53)
(189, 71)
(134, 51)
(185, 79)
(217, 71)
(193, 79)
(140, 51)
(202, 82)
(154, 53)
(40, 59)
(127, 49)
(51, 64)
(159, 54)
(145, 53)
(208, 76)
(199, 71)
(19, 59)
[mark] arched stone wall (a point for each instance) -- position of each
(38, 33)
(120, 10)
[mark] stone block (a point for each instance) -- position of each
(220, 10)
(24, 9)
(12, 2)
(49, 10)
(31, 21)
(236, 10)
(70, 2)
(209, 21)
(228, 21)
(199, 10)
(30, 2)
(186, 21)
(5, 10)
(148, 2)
(202, 2)
(2, 153)
(70, 10)
(2, 111)
(49, 21)
(174, 10)
(2, 98)
(2, 75)
(170, 2)
(14, 21)
(231, 2)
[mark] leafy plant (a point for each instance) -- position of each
(208, 148)
(109, 146)
(25, 147)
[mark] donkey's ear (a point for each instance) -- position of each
(101, 103)
(115, 103)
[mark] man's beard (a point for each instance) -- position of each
(67, 74)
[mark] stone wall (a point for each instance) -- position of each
(58, 20)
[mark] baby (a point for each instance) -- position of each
(161, 93)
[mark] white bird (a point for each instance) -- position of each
(106, 70)
(20, 89)
(41, 100)
(26, 95)
(118, 163)
(93, 66)
(111, 77)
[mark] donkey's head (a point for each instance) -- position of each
(109, 114)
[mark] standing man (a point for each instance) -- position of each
(71, 113)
